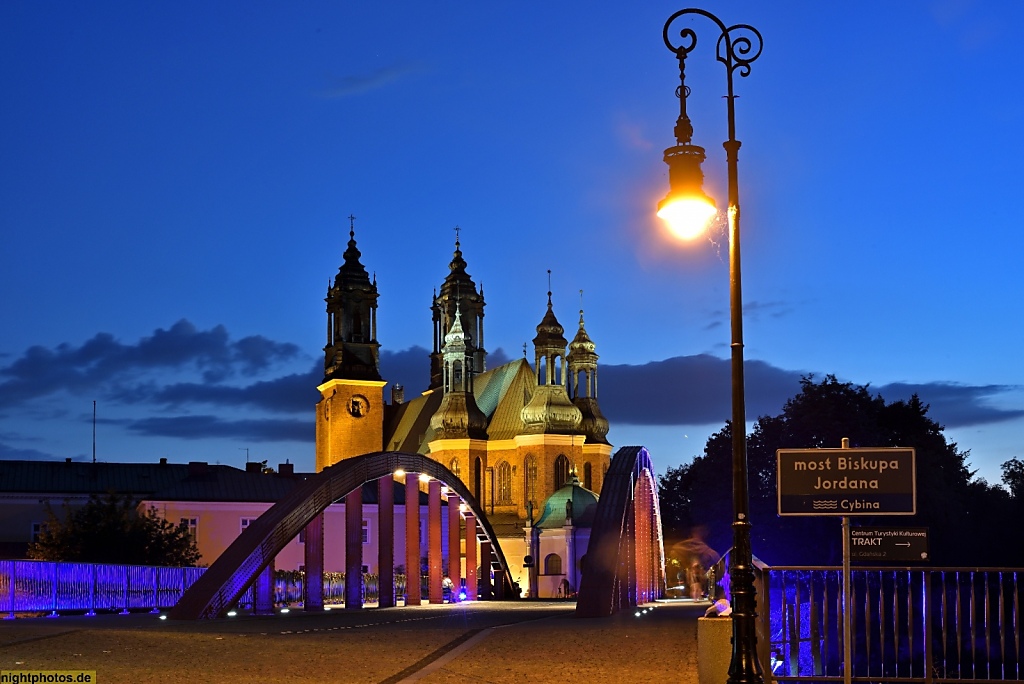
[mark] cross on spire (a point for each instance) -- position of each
(457, 231)
(351, 225)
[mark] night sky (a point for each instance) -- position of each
(175, 182)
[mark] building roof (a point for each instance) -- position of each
(584, 506)
(195, 481)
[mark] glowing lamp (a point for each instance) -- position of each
(686, 209)
(399, 472)
(424, 477)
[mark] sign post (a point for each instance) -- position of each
(846, 482)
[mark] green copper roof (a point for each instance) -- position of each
(584, 506)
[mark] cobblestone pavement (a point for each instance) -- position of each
(491, 643)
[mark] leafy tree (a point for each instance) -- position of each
(962, 513)
(113, 530)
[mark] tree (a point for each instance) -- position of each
(962, 513)
(112, 529)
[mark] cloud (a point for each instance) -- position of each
(8, 452)
(953, 404)
(357, 84)
(104, 362)
(295, 393)
(204, 427)
(696, 390)
(690, 390)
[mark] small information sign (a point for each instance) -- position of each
(889, 544)
(845, 482)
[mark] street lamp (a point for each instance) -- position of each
(688, 211)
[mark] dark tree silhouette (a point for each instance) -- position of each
(964, 515)
(112, 529)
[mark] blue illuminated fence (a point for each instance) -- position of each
(31, 587)
(908, 624)
(39, 586)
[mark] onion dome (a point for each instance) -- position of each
(582, 361)
(550, 410)
(572, 504)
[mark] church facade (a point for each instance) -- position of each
(515, 434)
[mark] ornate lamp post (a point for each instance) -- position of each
(688, 211)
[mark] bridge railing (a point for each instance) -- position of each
(908, 624)
(33, 587)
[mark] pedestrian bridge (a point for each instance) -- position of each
(624, 565)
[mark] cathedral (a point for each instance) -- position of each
(515, 435)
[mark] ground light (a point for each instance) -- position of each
(736, 48)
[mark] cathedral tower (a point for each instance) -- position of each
(458, 416)
(582, 361)
(550, 411)
(458, 289)
(350, 413)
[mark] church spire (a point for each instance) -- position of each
(458, 288)
(352, 351)
(582, 362)
(550, 410)
(458, 416)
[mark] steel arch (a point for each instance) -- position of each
(224, 582)
(610, 578)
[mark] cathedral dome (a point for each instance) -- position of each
(550, 333)
(573, 499)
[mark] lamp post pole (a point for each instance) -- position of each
(737, 47)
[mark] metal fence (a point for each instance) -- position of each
(34, 587)
(908, 624)
(38, 586)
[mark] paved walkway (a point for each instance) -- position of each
(493, 643)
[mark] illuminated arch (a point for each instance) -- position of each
(562, 471)
(625, 560)
(224, 582)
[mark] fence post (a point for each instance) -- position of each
(11, 578)
(92, 590)
(764, 645)
(54, 614)
(928, 612)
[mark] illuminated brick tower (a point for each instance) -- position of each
(350, 413)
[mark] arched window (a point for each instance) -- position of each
(504, 483)
(553, 564)
(454, 467)
(477, 478)
(561, 470)
(588, 476)
(530, 480)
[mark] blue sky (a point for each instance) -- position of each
(176, 177)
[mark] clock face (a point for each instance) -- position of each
(358, 406)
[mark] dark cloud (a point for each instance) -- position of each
(105, 362)
(690, 390)
(294, 393)
(8, 452)
(356, 84)
(696, 390)
(955, 405)
(205, 427)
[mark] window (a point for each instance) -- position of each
(366, 533)
(37, 530)
(561, 470)
(553, 564)
(504, 484)
(530, 480)
(588, 476)
(192, 525)
(454, 467)
(246, 522)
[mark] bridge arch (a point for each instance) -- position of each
(225, 581)
(625, 561)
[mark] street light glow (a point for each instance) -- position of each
(686, 217)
